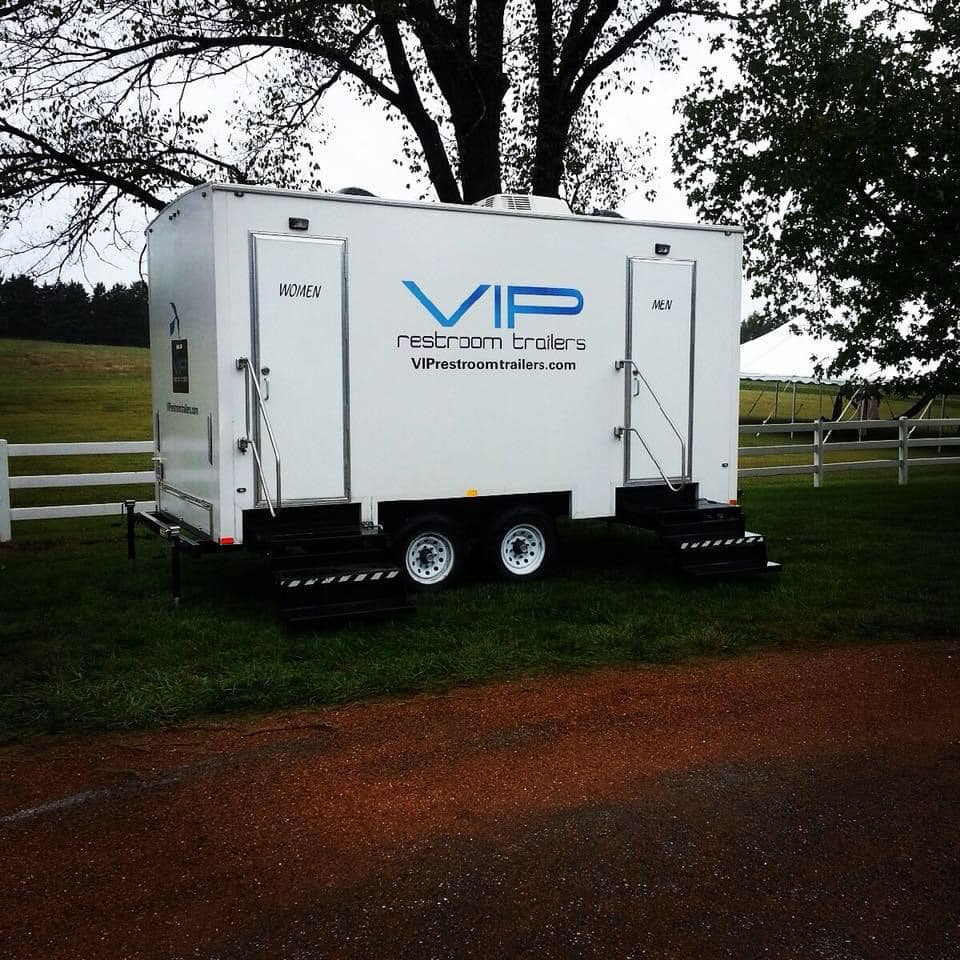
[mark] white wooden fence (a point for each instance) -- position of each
(822, 444)
(8, 483)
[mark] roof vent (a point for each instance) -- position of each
(526, 203)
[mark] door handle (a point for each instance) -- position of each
(264, 371)
(635, 372)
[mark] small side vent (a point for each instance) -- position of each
(525, 203)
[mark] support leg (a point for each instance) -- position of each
(175, 565)
(130, 506)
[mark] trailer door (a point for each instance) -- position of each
(300, 349)
(659, 369)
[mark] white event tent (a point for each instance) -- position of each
(783, 356)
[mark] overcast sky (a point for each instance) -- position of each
(361, 147)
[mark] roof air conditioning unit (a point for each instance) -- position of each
(526, 203)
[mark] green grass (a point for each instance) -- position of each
(71, 392)
(87, 641)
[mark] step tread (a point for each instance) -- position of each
(705, 508)
(335, 558)
(356, 570)
(721, 567)
(332, 533)
(326, 576)
(318, 613)
(693, 542)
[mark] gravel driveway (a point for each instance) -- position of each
(789, 805)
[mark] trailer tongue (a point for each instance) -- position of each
(368, 391)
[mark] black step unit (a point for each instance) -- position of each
(710, 556)
(708, 517)
(353, 543)
(333, 589)
(641, 504)
(300, 525)
(327, 564)
(704, 537)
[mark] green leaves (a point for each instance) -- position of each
(838, 149)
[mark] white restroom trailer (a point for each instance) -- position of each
(359, 386)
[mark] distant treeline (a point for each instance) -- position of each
(70, 313)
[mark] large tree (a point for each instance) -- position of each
(838, 147)
(109, 100)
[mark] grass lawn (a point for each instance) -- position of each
(64, 392)
(86, 641)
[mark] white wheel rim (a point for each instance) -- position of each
(429, 558)
(523, 549)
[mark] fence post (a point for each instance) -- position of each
(903, 450)
(818, 452)
(5, 530)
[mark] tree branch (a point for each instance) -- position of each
(411, 105)
(639, 30)
(89, 172)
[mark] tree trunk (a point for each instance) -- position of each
(472, 83)
(479, 147)
(553, 129)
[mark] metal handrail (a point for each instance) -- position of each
(618, 432)
(620, 364)
(243, 363)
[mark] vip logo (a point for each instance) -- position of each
(175, 322)
(545, 301)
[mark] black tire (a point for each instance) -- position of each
(533, 549)
(439, 559)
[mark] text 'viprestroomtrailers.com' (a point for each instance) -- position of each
(431, 364)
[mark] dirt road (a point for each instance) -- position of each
(789, 805)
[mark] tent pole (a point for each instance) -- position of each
(755, 402)
(852, 402)
(793, 407)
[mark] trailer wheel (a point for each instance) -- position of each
(523, 544)
(431, 550)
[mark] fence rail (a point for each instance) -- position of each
(41, 481)
(817, 449)
(822, 445)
